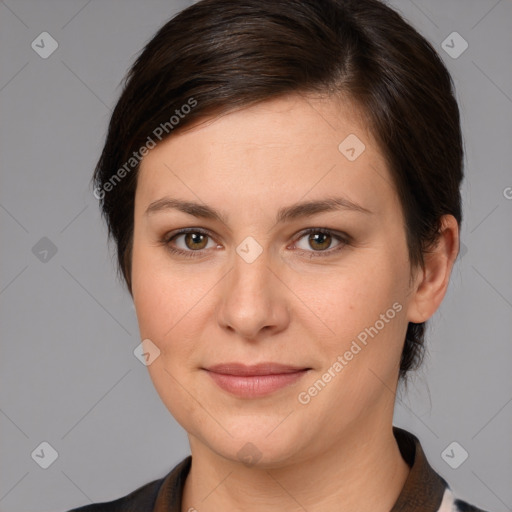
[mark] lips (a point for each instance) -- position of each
(253, 381)
(257, 369)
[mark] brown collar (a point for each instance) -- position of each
(423, 489)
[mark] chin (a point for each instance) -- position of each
(254, 447)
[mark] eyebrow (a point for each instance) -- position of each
(284, 214)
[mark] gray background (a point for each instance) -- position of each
(68, 328)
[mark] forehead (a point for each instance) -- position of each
(283, 122)
(286, 148)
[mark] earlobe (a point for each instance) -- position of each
(432, 282)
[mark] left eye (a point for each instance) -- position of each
(320, 240)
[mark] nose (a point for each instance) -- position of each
(252, 299)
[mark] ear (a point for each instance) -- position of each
(431, 282)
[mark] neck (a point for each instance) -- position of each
(362, 471)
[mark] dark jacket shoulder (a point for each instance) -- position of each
(462, 506)
(141, 500)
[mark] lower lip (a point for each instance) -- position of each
(256, 385)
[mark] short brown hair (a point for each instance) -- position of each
(227, 54)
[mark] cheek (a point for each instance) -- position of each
(163, 305)
(171, 306)
(366, 316)
(364, 305)
(349, 299)
(154, 297)
(164, 309)
(157, 295)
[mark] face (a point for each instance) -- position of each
(323, 290)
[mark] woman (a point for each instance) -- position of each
(281, 179)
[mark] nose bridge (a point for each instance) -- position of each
(251, 299)
(250, 277)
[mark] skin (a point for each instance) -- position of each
(285, 306)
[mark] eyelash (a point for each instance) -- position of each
(343, 238)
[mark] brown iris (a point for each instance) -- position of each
(198, 240)
(323, 239)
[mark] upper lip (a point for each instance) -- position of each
(256, 369)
